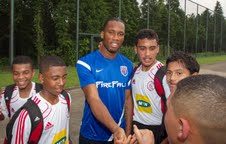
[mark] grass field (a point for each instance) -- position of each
(72, 78)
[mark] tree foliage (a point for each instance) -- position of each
(49, 27)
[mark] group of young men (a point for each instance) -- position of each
(47, 102)
(118, 97)
(124, 105)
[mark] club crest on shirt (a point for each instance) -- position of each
(150, 86)
(124, 70)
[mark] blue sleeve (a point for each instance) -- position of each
(130, 74)
(85, 74)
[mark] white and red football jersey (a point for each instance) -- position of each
(56, 122)
(147, 103)
(16, 101)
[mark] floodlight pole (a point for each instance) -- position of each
(77, 30)
(11, 31)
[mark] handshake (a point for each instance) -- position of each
(142, 136)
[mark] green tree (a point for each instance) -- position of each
(4, 27)
(177, 17)
(63, 17)
(38, 28)
(218, 15)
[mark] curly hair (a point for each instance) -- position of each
(188, 60)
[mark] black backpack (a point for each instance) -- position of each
(36, 120)
(9, 91)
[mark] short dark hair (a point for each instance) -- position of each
(22, 60)
(49, 61)
(146, 33)
(112, 19)
(202, 99)
(188, 60)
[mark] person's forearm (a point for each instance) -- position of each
(102, 114)
(98, 108)
(128, 112)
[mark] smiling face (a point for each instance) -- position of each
(175, 72)
(22, 75)
(53, 80)
(147, 50)
(112, 37)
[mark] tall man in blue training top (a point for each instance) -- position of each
(105, 80)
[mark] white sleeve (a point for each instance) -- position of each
(166, 87)
(3, 107)
(21, 129)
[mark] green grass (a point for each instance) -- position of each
(72, 78)
(211, 59)
(6, 77)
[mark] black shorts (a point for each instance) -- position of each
(83, 140)
(158, 131)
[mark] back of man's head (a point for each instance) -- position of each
(202, 100)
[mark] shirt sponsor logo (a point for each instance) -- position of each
(60, 138)
(143, 103)
(113, 84)
(124, 70)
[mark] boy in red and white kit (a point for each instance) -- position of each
(51, 103)
(24, 88)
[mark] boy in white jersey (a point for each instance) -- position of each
(52, 104)
(22, 72)
(147, 103)
(179, 65)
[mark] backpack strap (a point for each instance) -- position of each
(36, 122)
(159, 86)
(160, 91)
(36, 118)
(65, 94)
(38, 87)
(135, 68)
(8, 95)
(9, 91)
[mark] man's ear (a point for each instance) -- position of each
(195, 73)
(158, 49)
(184, 130)
(101, 34)
(33, 72)
(40, 77)
(135, 49)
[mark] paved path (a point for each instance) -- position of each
(78, 102)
